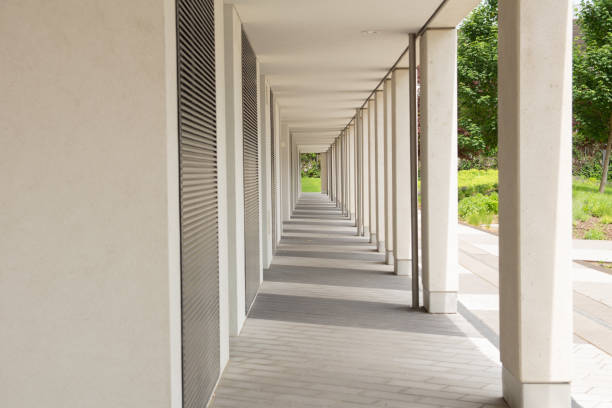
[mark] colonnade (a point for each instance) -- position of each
(376, 161)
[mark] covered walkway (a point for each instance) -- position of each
(332, 327)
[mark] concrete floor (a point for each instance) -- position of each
(332, 327)
(592, 317)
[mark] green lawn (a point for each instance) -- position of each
(311, 185)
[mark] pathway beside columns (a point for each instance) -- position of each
(332, 327)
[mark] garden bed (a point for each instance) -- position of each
(591, 210)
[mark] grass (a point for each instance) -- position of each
(592, 211)
(472, 182)
(311, 185)
(588, 202)
(478, 202)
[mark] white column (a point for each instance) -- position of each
(351, 170)
(358, 173)
(372, 167)
(535, 138)
(400, 135)
(235, 182)
(365, 179)
(439, 169)
(334, 172)
(340, 186)
(297, 168)
(222, 203)
(265, 175)
(277, 177)
(323, 162)
(285, 173)
(291, 174)
(379, 156)
(388, 171)
(345, 172)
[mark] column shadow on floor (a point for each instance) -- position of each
(351, 313)
(364, 256)
(359, 278)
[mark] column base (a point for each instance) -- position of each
(535, 395)
(389, 259)
(372, 238)
(359, 230)
(403, 267)
(440, 302)
(365, 232)
(352, 216)
(381, 246)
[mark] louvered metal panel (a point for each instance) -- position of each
(273, 171)
(251, 171)
(198, 199)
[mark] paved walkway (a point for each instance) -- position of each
(592, 318)
(331, 327)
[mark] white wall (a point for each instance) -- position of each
(285, 172)
(266, 174)
(222, 185)
(277, 167)
(88, 168)
(234, 169)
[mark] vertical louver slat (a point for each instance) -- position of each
(251, 170)
(198, 199)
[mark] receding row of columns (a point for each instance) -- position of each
(375, 189)
(373, 168)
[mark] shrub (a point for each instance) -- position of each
(588, 202)
(606, 219)
(475, 181)
(595, 234)
(478, 208)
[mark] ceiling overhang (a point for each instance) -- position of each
(324, 58)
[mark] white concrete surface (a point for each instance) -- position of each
(592, 315)
(234, 169)
(379, 161)
(438, 75)
(265, 160)
(372, 168)
(365, 190)
(222, 189)
(90, 276)
(535, 137)
(400, 128)
(388, 170)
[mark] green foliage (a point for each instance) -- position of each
(311, 185)
(477, 81)
(479, 162)
(587, 163)
(474, 181)
(310, 164)
(587, 202)
(595, 233)
(606, 220)
(479, 208)
(593, 70)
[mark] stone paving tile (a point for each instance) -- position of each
(332, 332)
(592, 366)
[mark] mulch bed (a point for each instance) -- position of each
(581, 227)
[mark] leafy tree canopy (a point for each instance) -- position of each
(593, 70)
(477, 81)
(311, 167)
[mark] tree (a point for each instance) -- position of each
(310, 165)
(593, 76)
(477, 81)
